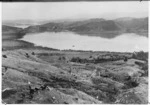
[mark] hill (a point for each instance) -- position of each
(43, 76)
(10, 29)
(133, 24)
(96, 27)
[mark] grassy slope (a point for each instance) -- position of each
(83, 85)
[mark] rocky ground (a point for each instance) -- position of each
(47, 76)
(36, 75)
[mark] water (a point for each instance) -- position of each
(69, 40)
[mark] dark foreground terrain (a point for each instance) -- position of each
(36, 75)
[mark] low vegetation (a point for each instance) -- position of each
(140, 55)
(99, 59)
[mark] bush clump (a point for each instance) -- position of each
(140, 55)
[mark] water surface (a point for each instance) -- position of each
(69, 40)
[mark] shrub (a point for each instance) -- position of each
(140, 55)
(125, 59)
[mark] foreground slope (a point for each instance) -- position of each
(55, 78)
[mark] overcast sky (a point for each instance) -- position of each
(73, 10)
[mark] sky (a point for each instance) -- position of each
(73, 10)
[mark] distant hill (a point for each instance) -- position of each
(8, 29)
(95, 27)
(17, 23)
(133, 24)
